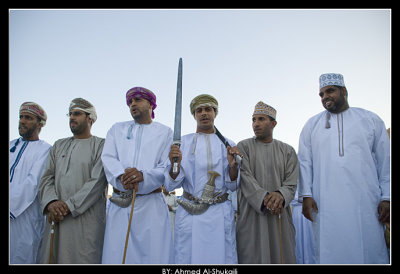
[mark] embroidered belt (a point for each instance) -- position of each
(154, 191)
(219, 199)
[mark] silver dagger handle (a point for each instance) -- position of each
(238, 159)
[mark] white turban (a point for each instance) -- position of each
(85, 106)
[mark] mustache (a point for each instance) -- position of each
(72, 122)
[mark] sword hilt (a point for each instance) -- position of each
(175, 165)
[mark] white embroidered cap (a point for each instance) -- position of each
(331, 79)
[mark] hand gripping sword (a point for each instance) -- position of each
(178, 115)
(238, 159)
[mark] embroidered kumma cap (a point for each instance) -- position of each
(331, 79)
(263, 108)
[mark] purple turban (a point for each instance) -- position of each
(142, 93)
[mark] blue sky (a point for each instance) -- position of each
(238, 56)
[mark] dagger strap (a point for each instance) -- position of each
(216, 200)
(129, 195)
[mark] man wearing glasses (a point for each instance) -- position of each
(72, 193)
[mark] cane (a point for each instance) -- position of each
(129, 225)
(280, 237)
(51, 242)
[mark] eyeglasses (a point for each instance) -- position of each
(75, 113)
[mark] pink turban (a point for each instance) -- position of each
(142, 93)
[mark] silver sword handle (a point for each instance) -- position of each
(175, 165)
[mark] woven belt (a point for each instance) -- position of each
(219, 199)
(154, 191)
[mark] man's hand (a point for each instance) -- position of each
(384, 211)
(308, 205)
(131, 179)
(274, 202)
(57, 210)
(175, 152)
(230, 152)
(233, 165)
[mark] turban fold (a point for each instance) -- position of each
(204, 100)
(85, 106)
(34, 109)
(263, 108)
(331, 79)
(142, 93)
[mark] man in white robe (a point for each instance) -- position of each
(208, 238)
(28, 156)
(304, 235)
(134, 157)
(73, 193)
(344, 183)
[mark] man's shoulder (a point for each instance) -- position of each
(122, 124)
(44, 144)
(283, 145)
(364, 112)
(247, 141)
(98, 139)
(158, 125)
(62, 141)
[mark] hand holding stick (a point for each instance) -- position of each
(129, 225)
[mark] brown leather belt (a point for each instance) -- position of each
(154, 191)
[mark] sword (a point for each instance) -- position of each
(238, 159)
(178, 115)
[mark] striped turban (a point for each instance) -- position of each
(35, 109)
(204, 100)
(85, 106)
(142, 93)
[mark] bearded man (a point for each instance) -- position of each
(28, 156)
(73, 192)
(134, 157)
(344, 183)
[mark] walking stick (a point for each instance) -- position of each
(51, 242)
(280, 237)
(129, 225)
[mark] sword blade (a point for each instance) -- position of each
(178, 115)
(178, 106)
